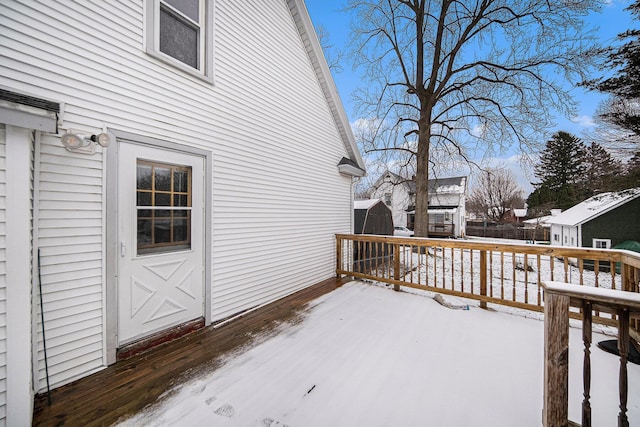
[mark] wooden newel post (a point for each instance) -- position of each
(396, 266)
(623, 350)
(587, 329)
(555, 412)
(338, 256)
(483, 277)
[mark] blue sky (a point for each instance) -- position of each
(612, 20)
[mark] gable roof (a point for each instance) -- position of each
(365, 204)
(594, 207)
(314, 50)
(447, 185)
(436, 185)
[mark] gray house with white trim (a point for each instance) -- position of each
(150, 182)
(601, 221)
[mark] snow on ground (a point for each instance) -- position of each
(368, 356)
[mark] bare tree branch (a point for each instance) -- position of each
(464, 77)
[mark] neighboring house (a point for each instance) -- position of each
(221, 169)
(515, 216)
(542, 221)
(447, 202)
(602, 221)
(541, 224)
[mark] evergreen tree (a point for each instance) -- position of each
(602, 171)
(632, 177)
(624, 85)
(561, 172)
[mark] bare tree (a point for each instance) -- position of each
(461, 79)
(495, 193)
(615, 126)
(331, 54)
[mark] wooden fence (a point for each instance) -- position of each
(509, 232)
(505, 274)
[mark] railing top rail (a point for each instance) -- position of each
(605, 297)
(614, 255)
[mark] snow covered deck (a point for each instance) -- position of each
(365, 355)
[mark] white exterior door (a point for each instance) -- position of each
(161, 233)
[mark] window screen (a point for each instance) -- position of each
(180, 36)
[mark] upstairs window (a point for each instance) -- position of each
(179, 32)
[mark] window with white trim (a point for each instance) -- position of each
(179, 32)
(602, 243)
(163, 204)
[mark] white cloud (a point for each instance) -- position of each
(584, 121)
(365, 125)
(478, 131)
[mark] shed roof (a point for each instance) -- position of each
(594, 207)
(365, 204)
(520, 213)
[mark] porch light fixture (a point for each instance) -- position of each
(77, 141)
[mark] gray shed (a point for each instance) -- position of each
(372, 217)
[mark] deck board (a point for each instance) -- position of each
(129, 385)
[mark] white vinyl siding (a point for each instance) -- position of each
(277, 197)
(566, 235)
(3, 284)
(69, 228)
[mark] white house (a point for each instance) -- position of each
(201, 176)
(601, 221)
(447, 202)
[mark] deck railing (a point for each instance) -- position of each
(562, 282)
(497, 273)
(559, 297)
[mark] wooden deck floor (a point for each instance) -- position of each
(128, 386)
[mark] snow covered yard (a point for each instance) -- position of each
(365, 355)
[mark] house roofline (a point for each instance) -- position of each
(620, 202)
(314, 50)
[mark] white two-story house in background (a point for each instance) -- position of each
(161, 167)
(447, 202)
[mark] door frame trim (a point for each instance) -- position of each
(111, 227)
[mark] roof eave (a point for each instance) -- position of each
(314, 50)
(613, 206)
(351, 170)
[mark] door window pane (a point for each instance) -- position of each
(162, 178)
(143, 176)
(163, 200)
(144, 197)
(180, 200)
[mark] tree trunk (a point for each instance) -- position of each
(422, 182)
